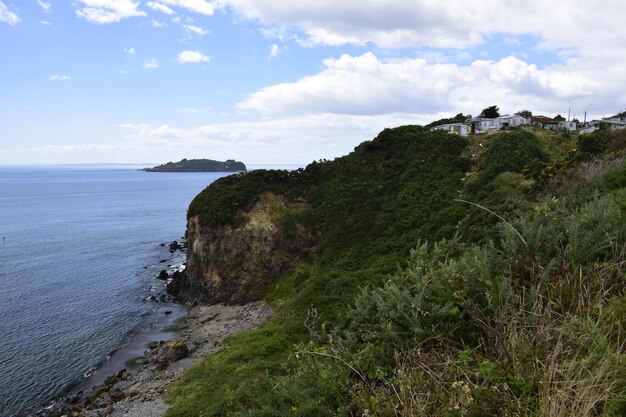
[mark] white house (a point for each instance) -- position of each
(457, 128)
(595, 125)
(567, 125)
(483, 124)
(588, 129)
(613, 123)
(513, 121)
(620, 117)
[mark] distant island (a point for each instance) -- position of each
(199, 165)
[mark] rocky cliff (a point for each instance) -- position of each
(234, 263)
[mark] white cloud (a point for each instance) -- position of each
(151, 64)
(274, 51)
(285, 140)
(156, 24)
(46, 7)
(108, 11)
(198, 6)
(8, 16)
(195, 30)
(57, 77)
(448, 24)
(366, 85)
(160, 7)
(129, 51)
(45, 22)
(192, 57)
(389, 24)
(194, 110)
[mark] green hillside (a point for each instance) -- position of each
(451, 277)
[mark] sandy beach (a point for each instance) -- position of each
(139, 391)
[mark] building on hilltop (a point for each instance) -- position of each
(544, 122)
(567, 125)
(620, 118)
(461, 129)
(484, 124)
(512, 121)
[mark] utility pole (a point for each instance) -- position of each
(585, 120)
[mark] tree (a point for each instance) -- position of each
(559, 118)
(459, 118)
(524, 113)
(490, 112)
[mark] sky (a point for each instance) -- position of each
(290, 81)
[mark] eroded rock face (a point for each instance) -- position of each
(234, 264)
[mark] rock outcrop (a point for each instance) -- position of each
(234, 263)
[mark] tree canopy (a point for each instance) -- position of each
(490, 112)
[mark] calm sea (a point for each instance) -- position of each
(73, 245)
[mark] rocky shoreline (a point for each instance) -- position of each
(139, 389)
(141, 393)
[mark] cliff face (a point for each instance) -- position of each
(233, 264)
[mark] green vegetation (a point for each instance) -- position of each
(459, 118)
(440, 286)
(199, 165)
(490, 112)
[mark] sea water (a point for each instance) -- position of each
(79, 251)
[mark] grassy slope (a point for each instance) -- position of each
(371, 208)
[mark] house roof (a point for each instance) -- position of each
(618, 115)
(512, 116)
(611, 122)
(542, 119)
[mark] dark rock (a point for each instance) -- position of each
(115, 378)
(168, 312)
(174, 246)
(117, 394)
(162, 245)
(163, 275)
(178, 279)
(162, 261)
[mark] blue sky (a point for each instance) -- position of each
(288, 82)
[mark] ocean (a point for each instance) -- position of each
(79, 254)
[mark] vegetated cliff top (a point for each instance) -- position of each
(451, 276)
(199, 165)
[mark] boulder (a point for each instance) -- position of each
(171, 351)
(174, 246)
